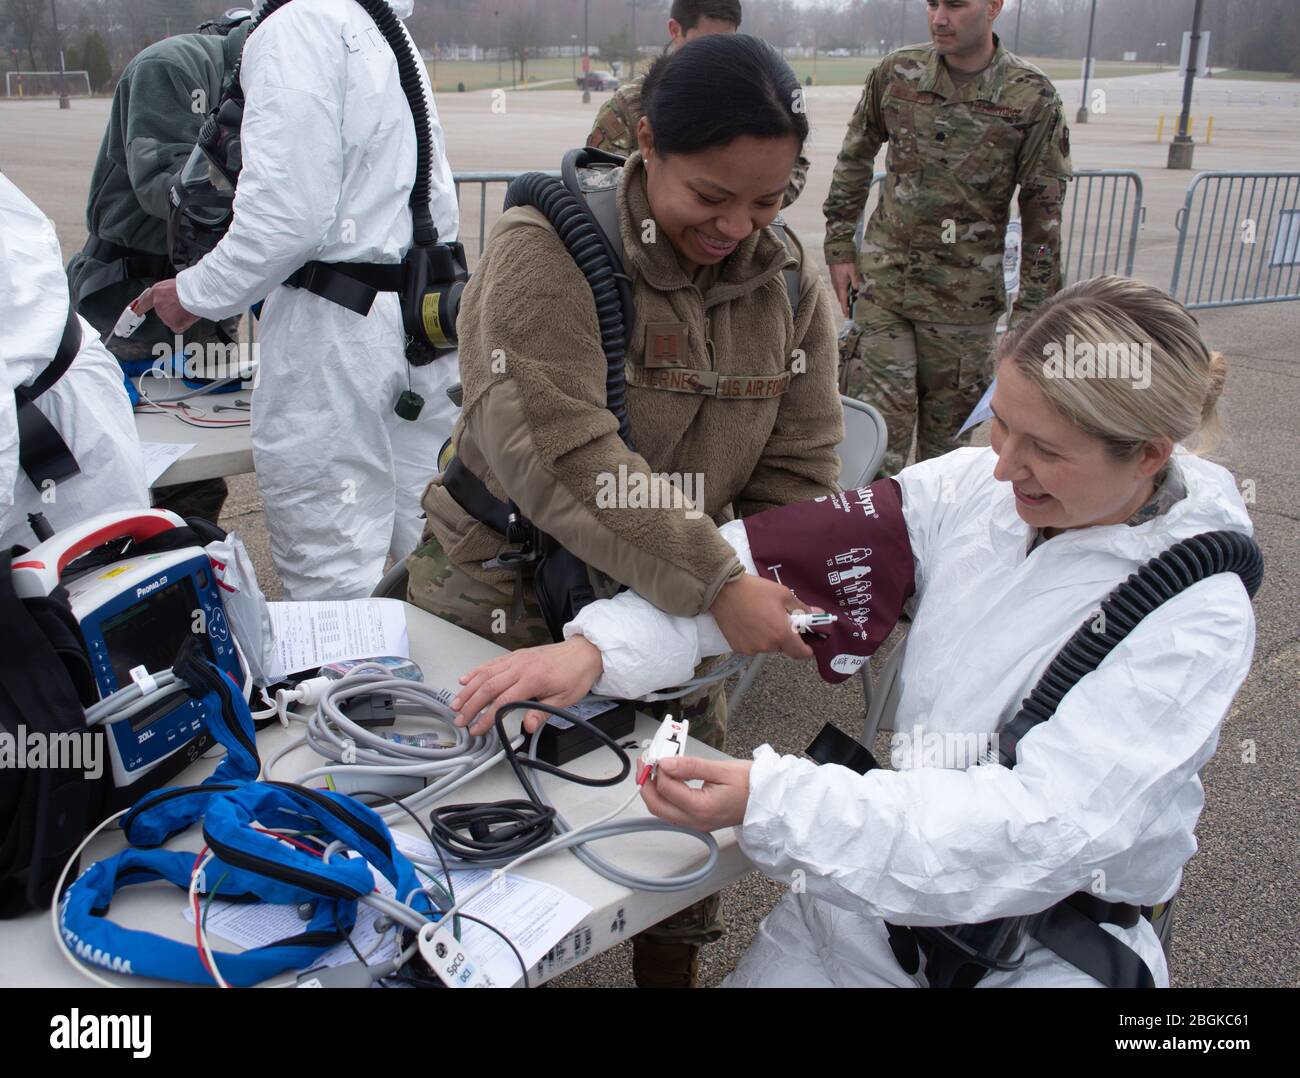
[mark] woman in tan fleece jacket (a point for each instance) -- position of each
(732, 396)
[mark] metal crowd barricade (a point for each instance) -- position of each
(482, 180)
(1102, 217)
(1243, 229)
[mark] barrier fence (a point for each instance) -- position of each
(1238, 232)
(483, 180)
(1238, 240)
(1101, 221)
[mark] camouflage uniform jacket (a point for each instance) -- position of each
(933, 247)
(615, 132)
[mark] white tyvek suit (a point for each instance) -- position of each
(329, 162)
(1105, 795)
(88, 405)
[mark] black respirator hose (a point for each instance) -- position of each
(426, 235)
(1177, 569)
(581, 236)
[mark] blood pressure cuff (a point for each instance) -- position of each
(848, 554)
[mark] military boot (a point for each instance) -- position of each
(665, 965)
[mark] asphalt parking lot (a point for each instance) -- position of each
(1238, 912)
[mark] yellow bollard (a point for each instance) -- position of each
(1160, 129)
(1209, 131)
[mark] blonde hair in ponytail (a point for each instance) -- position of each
(1177, 398)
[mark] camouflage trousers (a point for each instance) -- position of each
(438, 586)
(922, 375)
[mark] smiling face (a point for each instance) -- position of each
(1062, 476)
(962, 28)
(706, 203)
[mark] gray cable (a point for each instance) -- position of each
(334, 736)
(330, 733)
(633, 880)
(131, 700)
(733, 665)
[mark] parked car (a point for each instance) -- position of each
(598, 80)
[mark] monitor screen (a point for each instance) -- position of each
(151, 632)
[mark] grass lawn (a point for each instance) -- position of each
(1260, 76)
(482, 74)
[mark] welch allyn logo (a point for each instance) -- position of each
(77, 1030)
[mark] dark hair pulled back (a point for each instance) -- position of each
(716, 89)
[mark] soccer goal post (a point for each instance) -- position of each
(46, 83)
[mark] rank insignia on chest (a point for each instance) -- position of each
(665, 344)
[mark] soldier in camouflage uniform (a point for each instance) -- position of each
(615, 128)
(930, 265)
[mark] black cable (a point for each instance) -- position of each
(446, 872)
(500, 831)
(347, 936)
(518, 957)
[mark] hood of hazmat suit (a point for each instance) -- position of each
(329, 155)
(88, 405)
(1105, 795)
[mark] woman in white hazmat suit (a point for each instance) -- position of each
(1014, 547)
(88, 405)
(329, 156)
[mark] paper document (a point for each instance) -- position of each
(159, 456)
(308, 635)
(535, 916)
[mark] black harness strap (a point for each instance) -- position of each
(353, 285)
(123, 264)
(42, 452)
(1074, 935)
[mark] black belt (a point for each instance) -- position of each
(353, 285)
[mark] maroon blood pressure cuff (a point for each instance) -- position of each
(848, 554)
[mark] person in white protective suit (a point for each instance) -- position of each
(1014, 547)
(329, 161)
(87, 406)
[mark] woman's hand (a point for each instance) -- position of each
(555, 674)
(719, 803)
(754, 616)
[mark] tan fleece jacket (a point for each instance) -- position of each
(535, 429)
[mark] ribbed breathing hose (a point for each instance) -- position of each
(1177, 569)
(581, 236)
